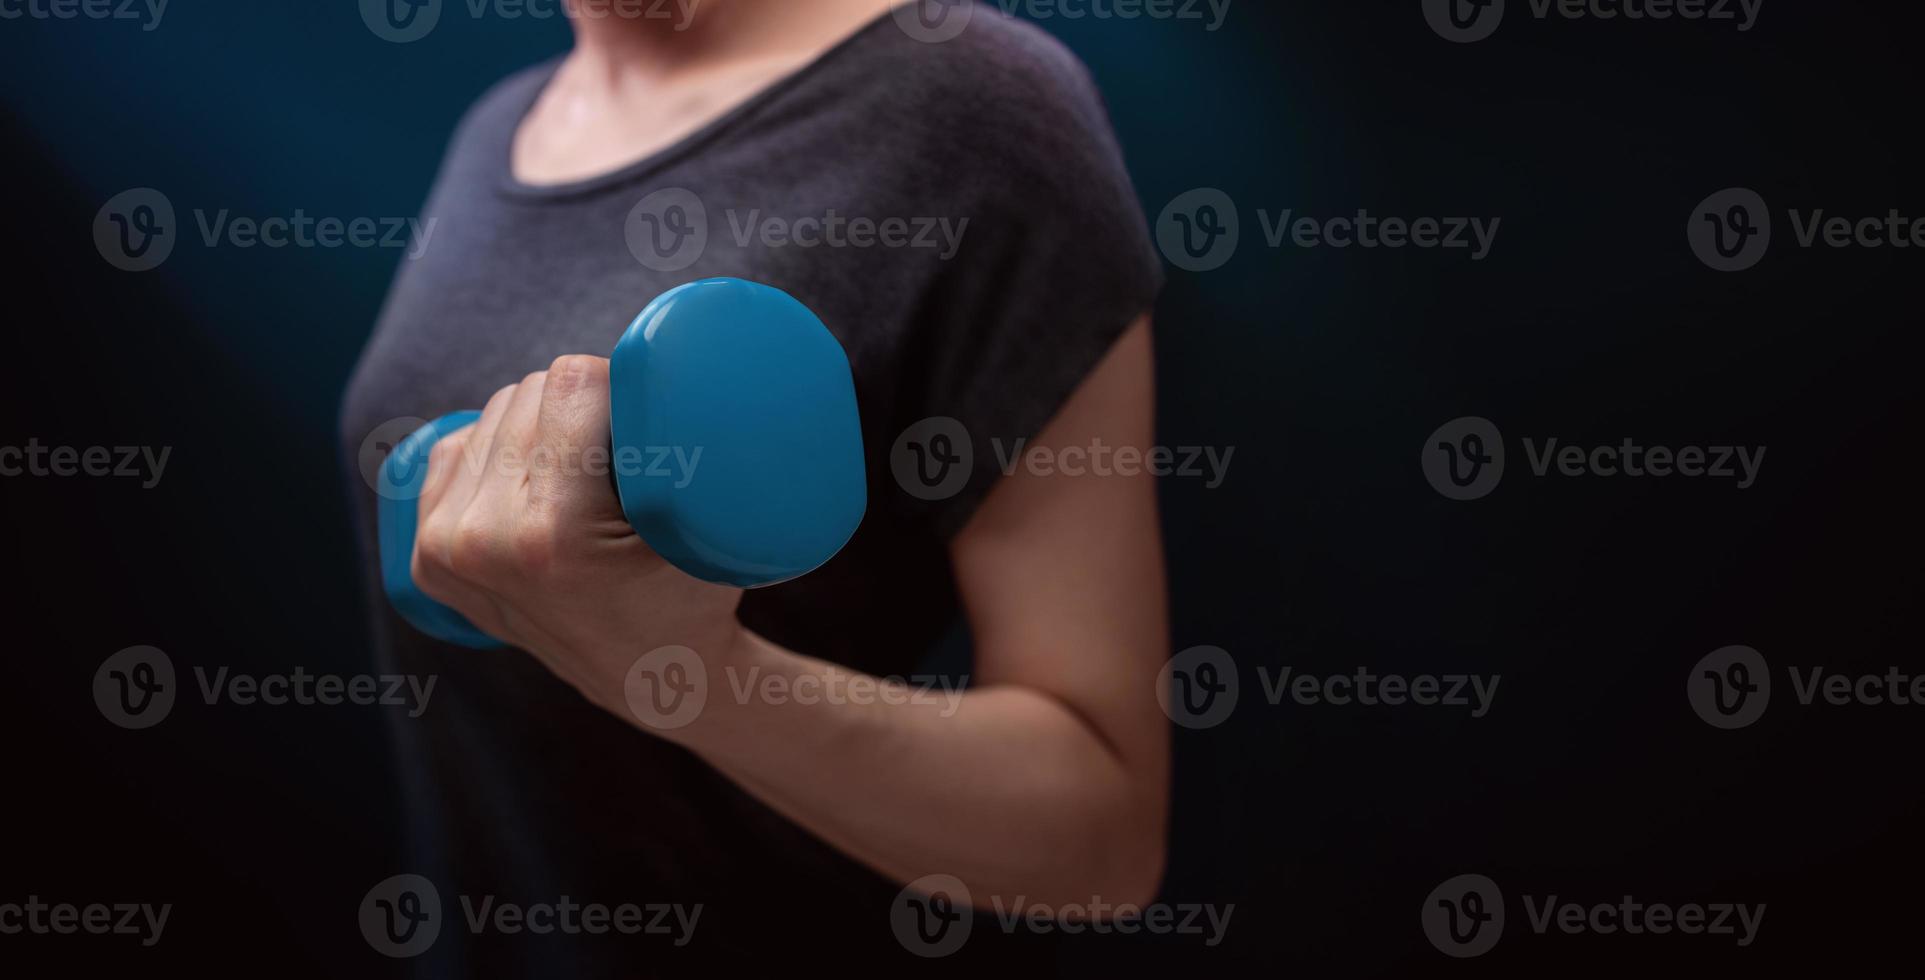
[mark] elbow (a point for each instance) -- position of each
(1133, 871)
(1120, 862)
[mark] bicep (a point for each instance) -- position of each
(1061, 568)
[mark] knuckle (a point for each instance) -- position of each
(470, 551)
(576, 372)
(427, 573)
(431, 543)
(443, 455)
(499, 400)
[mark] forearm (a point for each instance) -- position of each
(1005, 787)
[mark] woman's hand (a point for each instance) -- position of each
(521, 532)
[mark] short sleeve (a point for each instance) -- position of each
(1054, 266)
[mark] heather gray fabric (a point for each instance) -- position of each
(521, 790)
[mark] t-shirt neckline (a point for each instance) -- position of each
(513, 186)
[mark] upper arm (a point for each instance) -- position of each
(1061, 573)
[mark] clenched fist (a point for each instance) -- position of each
(521, 531)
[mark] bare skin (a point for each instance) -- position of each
(1048, 778)
(635, 85)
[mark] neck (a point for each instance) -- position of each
(613, 38)
(614, 34)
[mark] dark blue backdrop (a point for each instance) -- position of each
(1324, 549)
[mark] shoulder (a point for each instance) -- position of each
(1001, 94)
(999, 69)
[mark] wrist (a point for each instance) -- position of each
(686, 694)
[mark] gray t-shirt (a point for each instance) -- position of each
(847, 185)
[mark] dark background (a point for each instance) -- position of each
(1325, 549)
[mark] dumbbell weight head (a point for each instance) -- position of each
(736, 447)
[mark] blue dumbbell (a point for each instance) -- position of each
(741, 373)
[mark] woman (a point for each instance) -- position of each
(577, 190)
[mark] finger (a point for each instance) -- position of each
(573, 422)
(514, 436)
(444, 459)
(475, 453)
(438, 517)
(481, 607)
